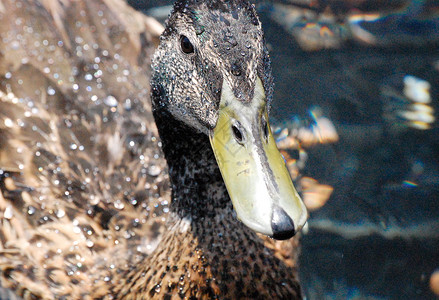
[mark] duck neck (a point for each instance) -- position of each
(198, 190)
(205, 251)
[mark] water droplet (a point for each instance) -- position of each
(98, 73)
(68, 123)
(8, 212)
(127, 235)
(127, 105)
(31, 210)
(119, 204)
(50, 91)
(73, 146)
(88, 77)
(110, 101)
(154, 170)
(60, 213)
(8, 123)
(15, 45)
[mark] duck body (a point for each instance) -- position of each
(88, 164)
(217, 255)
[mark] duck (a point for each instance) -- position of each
(140, 164)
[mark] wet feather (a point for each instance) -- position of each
(84, 186)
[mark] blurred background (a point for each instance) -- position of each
(355, 114)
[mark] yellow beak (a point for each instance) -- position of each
(253, 170)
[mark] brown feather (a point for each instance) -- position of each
(84, 189)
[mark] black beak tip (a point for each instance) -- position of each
(282, 225)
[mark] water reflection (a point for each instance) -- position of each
(318, 25)
(376, 81)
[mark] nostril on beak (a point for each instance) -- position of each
(281, 224)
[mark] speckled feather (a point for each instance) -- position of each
(85, 201)
(229, 44)
(84, 183)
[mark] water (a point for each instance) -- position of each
(377, 235)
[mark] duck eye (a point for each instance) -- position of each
(186, 45)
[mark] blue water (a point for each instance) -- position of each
(377, 236)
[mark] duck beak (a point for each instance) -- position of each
(253, 170)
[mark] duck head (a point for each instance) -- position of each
(212, 72)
